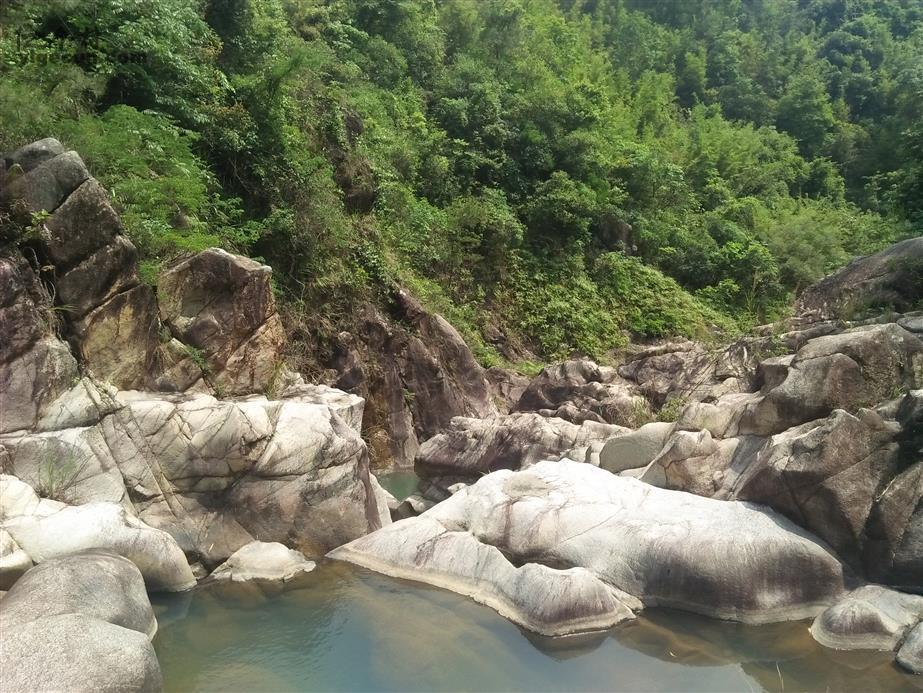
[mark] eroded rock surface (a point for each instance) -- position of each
(731, 560)
(869, 618)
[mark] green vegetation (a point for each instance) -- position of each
(570, 172)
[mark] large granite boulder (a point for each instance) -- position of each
(104, 526)
(471, 447)
(580, 390)
(568, 522)
(857, 368)
(79, 623)
(889, 280)
(222, 305)
(94, 583)
(826, 477)
(38, 182)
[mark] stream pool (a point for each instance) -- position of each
(347, 629)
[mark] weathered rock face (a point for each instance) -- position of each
(890, 279)
(79, 623)
(13, 561)
(472, 447)
(222, 305)
(35, 368)
(416, 374)
(910, 656)
(110, 317)
(826, 477)
(262, 561)
(583, 533)
(858, 368)
(580, 390)
(214, 474)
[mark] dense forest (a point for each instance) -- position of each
(568, 174)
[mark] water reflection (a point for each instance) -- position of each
(344, 628)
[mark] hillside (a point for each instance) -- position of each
(553, 177)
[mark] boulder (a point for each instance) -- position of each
(348, 407)
(580, 390)
(857, 368)
(826, 476)
(74, 653)
(869, 618)
(104, 526)
(635, 449)
(79, 623)
(223, 305)
(729, 560)
(33, 154)
(477, 446)
(35, 367)
(97, 584)
(262, 561)
(118, 340)
(910, 656)
(889, 280)
(44, 187)
(18, 498)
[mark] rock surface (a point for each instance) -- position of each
(887, 280)
(262, 561)
(222, 305)
(725, 559)
(579, 390)
(910, 656)
(471, 447)
(79, 623)
(416, 374)
(869, 618)
(104, 526)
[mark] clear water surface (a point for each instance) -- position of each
(347, 629)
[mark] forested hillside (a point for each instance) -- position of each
(556, 175)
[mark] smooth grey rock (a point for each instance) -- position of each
(262, 561)
(74, 653)
(729, 560)
(869, 618)
(97, 584)
(18, 498)
(347, 406)
(104, 526)
(33, 154)
(635, 449)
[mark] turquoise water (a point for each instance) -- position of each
(400, 483)
(347, 629)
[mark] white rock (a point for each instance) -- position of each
(263, 561)
(104, 526)
(729, 560)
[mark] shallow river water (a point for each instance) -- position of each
(346, 628)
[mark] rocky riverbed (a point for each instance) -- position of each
(153, 441)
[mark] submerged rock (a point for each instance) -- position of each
(869, 618)
(729, 560)
(260, 560)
